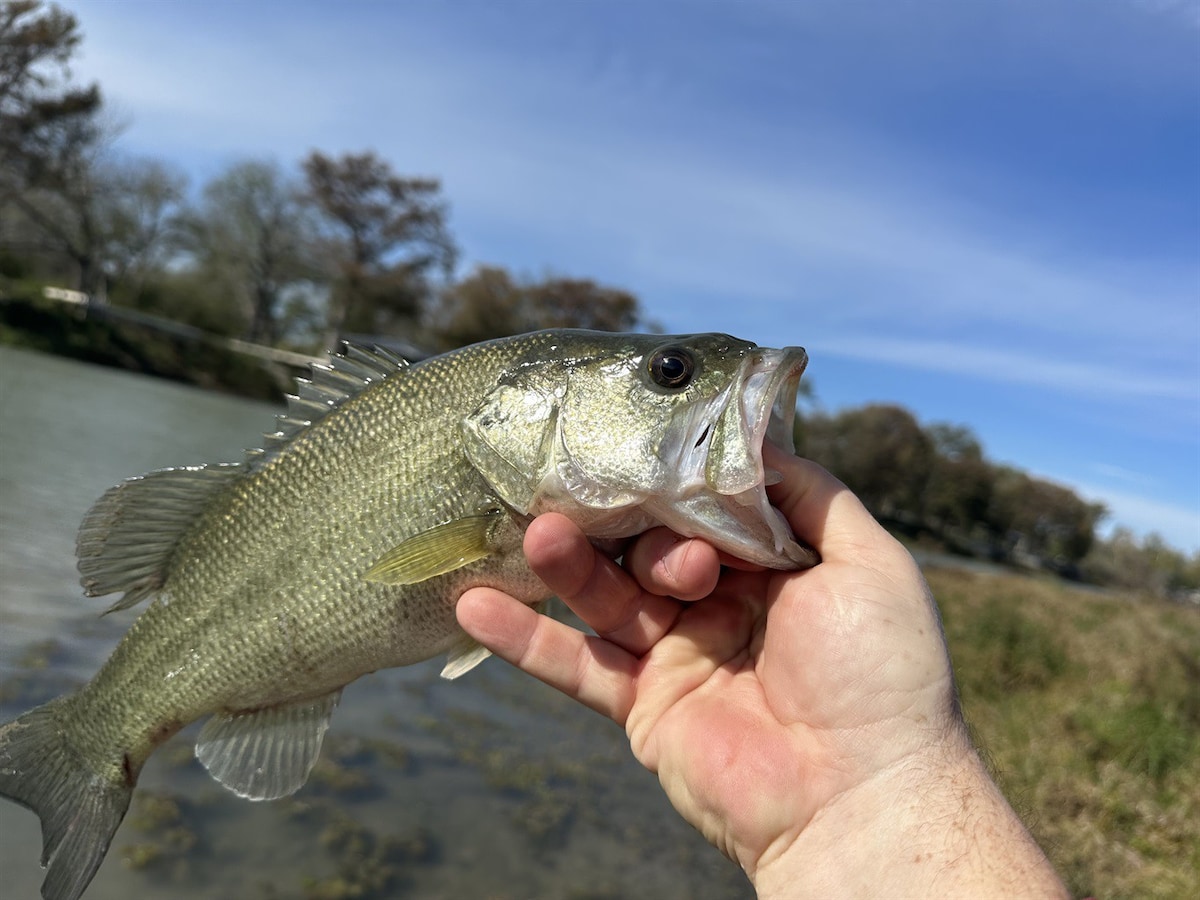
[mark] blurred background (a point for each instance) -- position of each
(982, 220)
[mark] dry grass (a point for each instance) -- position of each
(1088, 709)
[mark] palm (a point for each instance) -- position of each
(738, 691)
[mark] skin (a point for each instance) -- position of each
(805, 722)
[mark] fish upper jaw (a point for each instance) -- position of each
(767, 404)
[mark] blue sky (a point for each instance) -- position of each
(988, 212)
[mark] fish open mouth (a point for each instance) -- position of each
(768, 399)
(723, 477)
(767, 408)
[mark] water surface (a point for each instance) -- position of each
(493, 786)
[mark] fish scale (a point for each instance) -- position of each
(342, 546)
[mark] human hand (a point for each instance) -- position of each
(804, 722)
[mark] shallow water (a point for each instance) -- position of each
(493, 786)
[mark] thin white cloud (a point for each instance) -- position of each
(1188, 11)
(1125, 475)
(1178, 525)
(1108, 378)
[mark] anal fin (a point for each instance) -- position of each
(267, 753)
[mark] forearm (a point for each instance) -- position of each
(927, 829)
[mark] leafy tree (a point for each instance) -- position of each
(253, 236)
(389, 236)
(880, 452)
(36, 44)
(492, 303)
(1047, 521)
(960, 481)
(190, 297)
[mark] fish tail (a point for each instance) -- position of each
(79, 808)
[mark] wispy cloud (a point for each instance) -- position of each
(1188, 11)
(1178, 525)
(1128, 476)
(1106, 378)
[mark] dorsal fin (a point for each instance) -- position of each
(329, 386)
(126, 539)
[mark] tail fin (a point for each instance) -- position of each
(80, 809)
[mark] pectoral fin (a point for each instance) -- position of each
(437, 551)
(267, 753)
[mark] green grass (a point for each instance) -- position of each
(1087, 707)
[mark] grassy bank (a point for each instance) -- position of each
(1088, 708)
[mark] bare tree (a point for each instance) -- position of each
(388, 236)
(137, 202)
(36, 44)
(102, 215)
(107, 215)
(253, 233)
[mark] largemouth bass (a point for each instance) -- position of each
(342, 546)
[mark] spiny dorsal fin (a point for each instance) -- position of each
(267, 753)
(329, 386)
(126, 539)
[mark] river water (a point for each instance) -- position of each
(491, 787)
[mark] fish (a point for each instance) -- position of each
(341, 546)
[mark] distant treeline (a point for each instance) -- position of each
(298, 257)
(934, 482)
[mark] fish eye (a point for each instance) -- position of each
(672, 367)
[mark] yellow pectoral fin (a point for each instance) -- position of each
(437, 551)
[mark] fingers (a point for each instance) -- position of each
(665, 563)
(604, 595)
(593, 671)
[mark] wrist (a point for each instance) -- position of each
(935, 824)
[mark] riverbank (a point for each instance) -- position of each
(88, 335)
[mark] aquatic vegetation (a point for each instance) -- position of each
(37, 674)
(169, 839)
(41, 655)
(368, 865)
